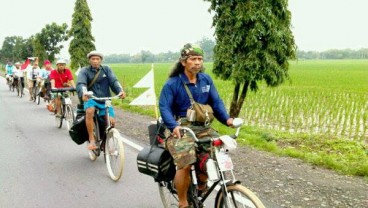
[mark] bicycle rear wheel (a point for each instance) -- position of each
(168, 198)
(238, 196)
(69, 116)
(114, 151)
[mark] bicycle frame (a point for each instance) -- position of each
(218, 151)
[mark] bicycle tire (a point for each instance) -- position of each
(114, 152)
(35, 89)
(69, 116)
(93, 154)
(168, 199)
(59, 118)
(20, 87)
(38, 98)
(244, 197)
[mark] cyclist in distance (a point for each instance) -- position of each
(99, 79)
(174, 103)
(33, 71)
(45, 76)
(61, 77)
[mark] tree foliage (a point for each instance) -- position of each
(47, 42)
(81, 32)
(16, 48)
(253, 43)
(207, 45)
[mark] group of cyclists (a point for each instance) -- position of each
(186, 83)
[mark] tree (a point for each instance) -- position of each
(15, 48)
(81, 31)
(253, 43)
(207, 45)
(49, 40)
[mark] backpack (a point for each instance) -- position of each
(78, 132)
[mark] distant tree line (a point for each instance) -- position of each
(145, 56)
(334, 54)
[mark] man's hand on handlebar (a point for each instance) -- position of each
(176, 132)
(122, 94)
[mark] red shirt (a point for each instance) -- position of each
(61, 78)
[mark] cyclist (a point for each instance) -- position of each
(19, 73)
(45, 76)
(98, 79)
(32, 73)
(61, 77)
(9, 71)
(174, 103)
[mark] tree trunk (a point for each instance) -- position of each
(237, 102)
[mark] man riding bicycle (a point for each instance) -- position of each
(61, 77)
(98, 79)
(32, 73)
(9, 69)
(19, 73)
(45, 76)
(187, 81)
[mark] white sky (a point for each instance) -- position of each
(122, 26)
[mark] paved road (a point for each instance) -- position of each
(40, 166)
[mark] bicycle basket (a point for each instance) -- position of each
(156, 162)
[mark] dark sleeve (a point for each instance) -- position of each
(165, 105)
(113, 81)
(82, 82)
(217, 104)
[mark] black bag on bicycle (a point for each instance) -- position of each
(78, 132)
(156, 162)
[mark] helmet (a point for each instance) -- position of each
(60, 61)
(95, 53)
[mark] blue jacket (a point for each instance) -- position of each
(105, 81)
(174, 100)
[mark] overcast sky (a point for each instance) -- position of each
(122, 26)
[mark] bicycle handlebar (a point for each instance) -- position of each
(70, 89)
(238, 122)
(105, 98)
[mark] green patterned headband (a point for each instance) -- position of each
(190, 50)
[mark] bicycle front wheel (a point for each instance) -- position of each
(59, 118)
(238, 196)
(35, 90)
(168, 198)
(114, 151)
(69, 116)
(20, 87)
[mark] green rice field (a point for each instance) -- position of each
(320, 115)
(322, 97)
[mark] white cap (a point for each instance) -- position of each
(60, 61)
(95, 53)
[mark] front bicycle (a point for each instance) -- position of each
(66, 108)
(108, 140)
(219, 168)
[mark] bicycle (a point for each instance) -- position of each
(67, 112)
(10, 80)
(20, 87)
(108, 140)
(36, 90)
(219, 166)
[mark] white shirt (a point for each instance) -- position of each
(35, 71)
(19, 72)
